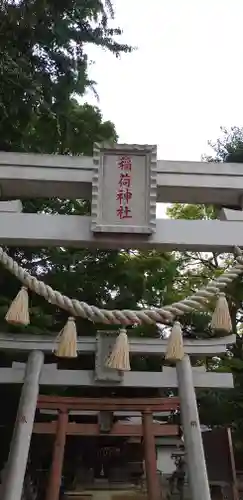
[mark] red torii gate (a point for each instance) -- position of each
(148, 430)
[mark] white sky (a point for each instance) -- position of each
(184, 80)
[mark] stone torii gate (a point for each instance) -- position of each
(33, 175)
(124, 183)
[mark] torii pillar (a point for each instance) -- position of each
(152, 479)
(19, 448)
(195, 458)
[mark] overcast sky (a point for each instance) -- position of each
(184, 80)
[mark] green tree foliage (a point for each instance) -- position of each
(43, 68)
(219, 407)
(229, 147)
(43, 62)
(43, 43)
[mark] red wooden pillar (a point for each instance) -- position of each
(54, 483)
(153, 486)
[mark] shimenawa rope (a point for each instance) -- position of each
(196, 301)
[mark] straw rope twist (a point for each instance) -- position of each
(197, 301)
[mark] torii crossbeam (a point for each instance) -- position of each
(34, 175)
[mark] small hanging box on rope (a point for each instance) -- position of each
(221, 320)
(67, 341)
(18, 313)
(175, 347)
(119, 357)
